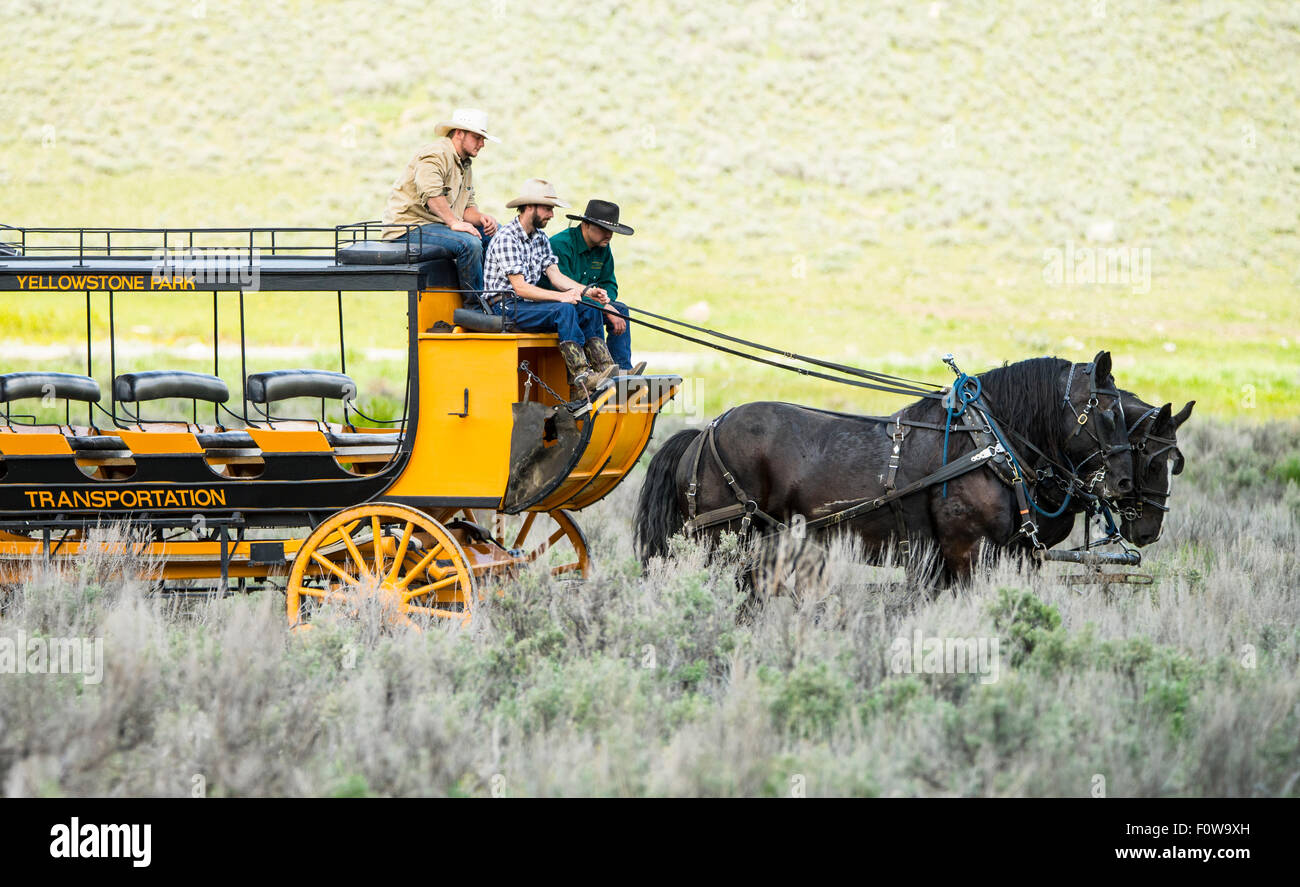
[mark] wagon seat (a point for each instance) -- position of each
(473, 315)
(263, 390)
(68, 387)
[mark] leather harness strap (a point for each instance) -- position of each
(896, 435)
(693, 488)
(746, 508)
(955, 468)
(990, 451)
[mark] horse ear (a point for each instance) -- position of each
(1101, 364)
(1184, 414)
(1163, 416)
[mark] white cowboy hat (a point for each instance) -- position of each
(468, 119)
(535, 192)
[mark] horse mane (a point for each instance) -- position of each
(1024, 396)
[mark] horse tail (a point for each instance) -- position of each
(657, 516)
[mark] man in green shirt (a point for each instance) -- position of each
(584, 255)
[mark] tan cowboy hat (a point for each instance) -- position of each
(468, 119)
(537, 192)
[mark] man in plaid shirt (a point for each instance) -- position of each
(518, 257)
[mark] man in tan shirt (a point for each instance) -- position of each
(436, 193)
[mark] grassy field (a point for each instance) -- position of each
(879, 186)
(646, 682)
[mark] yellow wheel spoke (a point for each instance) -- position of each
(437, 612)
(333, 568)
(523, 530)
(431, 587)
(401, 551)
(414, 557)
(355, 552)
(325, 595)
(546, 546)
(377, 542)
(406, 622)
(417, 569)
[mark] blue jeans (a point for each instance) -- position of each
(440, 242)
(574, 323)
(620, 347)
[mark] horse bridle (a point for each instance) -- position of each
(1081, 417)
(1141, 495)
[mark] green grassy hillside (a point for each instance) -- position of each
(882, 185)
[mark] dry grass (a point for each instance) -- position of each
(646, 682)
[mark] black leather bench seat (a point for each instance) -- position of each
(95, 443)
(159, 384)
(358, 439)
(69, 386)
(379, 252)
(478, 321)
(226, 440)
(103, 444)
(276, 385)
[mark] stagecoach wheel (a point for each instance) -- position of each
(553, 537)
(385, 554)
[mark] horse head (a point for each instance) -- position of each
(1153, 433)
(1096, 437)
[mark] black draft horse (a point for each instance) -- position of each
(1153, 434)
(795, 460)
(1153, 437)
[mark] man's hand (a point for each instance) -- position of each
(489, 224)
(617, 325)
(598, 294)
(460, 225)
(569, 296)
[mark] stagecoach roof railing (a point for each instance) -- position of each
(93, 242)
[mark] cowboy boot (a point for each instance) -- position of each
(579, 371)
(638, 369)
(602, 364)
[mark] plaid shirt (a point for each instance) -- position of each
(514, 252)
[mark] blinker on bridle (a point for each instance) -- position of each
(1081, 417)
(1141, 493)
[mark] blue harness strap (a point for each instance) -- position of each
(964, 391)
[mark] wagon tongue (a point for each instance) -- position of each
(544, 447)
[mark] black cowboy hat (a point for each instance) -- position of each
(604, 214)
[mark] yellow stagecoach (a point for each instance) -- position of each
(479, 474)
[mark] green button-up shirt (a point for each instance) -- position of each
(587, 265)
